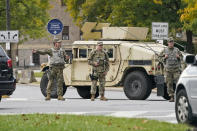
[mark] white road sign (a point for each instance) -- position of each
(9, 36)
(159, 31)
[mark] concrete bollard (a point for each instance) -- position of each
(27, 76)
(16, 75)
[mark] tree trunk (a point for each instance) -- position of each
(190, 46)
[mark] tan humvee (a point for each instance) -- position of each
(134, 65)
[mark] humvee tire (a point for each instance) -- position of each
(84, 92)
(137, 86)
(43, 86)
(0, 98)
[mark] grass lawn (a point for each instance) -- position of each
(54, 122)
(36, 74)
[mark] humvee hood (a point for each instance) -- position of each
(142, 51)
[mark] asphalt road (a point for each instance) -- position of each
(27, 99)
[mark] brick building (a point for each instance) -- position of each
(69, 34)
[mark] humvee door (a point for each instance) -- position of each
(81, 69)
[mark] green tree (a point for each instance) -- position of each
(28, 16)
(178, 13)
(126, 12)
(189, 20)
(75, 7)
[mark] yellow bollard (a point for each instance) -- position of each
(5, 96)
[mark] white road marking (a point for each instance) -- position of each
(75, 113)
(16, 99)
(175, 121)
(171, 115)
(127, 114)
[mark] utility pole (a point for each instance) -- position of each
(8, 46)
(7, 14)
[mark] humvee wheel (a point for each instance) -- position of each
(84, 92)
(137, 86)
(43, 86)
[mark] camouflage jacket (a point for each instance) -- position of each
(102, 58)
(171, 63)
(57, 57)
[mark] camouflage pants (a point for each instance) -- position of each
(101, 78)
(56, 73)
(171, 77)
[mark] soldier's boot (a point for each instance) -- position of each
(102, 98)
(61, 98)
(171, 99)
(92, 97)
(48, 98)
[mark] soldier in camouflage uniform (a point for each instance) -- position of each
(172, 64)
(57, 61)
(99, 60)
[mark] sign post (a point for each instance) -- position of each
(7, 46)
(159, 31)
(55, 26)
(8, 26)
(9, 36)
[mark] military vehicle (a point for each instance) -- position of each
(134, 65)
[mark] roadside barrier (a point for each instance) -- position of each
(16, 75)
(27, 76)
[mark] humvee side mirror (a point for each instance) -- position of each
(190, 59)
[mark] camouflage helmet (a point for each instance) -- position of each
(57, 40)
(170, 39)
(100, 43)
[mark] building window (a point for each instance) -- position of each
(36, 58)
(65, 33)
(63, 3)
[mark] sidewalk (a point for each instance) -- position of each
(19, 71)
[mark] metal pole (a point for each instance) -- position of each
(7, 14)
(8, 23)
